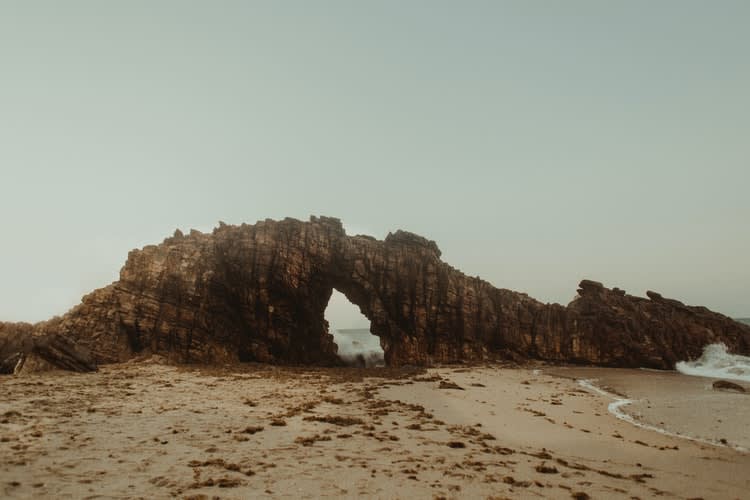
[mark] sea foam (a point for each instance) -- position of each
(358, 346)
(716, 362)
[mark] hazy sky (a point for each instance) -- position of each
(537, 142)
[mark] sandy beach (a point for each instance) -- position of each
(143, 430)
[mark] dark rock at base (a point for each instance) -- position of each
(15, 340)
(725, 385)
(9, 362)
(53, 351)
(22, 350)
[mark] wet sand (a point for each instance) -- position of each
(153, 431)
(674, 403)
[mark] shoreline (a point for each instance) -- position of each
(616, 408)
(616, 384)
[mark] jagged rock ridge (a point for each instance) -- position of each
(259, 292)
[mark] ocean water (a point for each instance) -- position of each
(717, 362)
(684, 424)
(617, 408)
(359, 347)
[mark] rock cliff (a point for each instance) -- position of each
(259, 292)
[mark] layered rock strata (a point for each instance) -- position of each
(259, 293)
(24, 349)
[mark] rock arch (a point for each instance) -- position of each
(259, 292)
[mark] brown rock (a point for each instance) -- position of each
(449, 385)
(15, 339)
(259, 292)
(725, 385)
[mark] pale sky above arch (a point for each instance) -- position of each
(537, 143)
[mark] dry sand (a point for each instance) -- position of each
(153, 431)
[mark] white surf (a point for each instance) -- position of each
(358, 346)
(717, 362)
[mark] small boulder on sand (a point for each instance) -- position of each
(725, 385)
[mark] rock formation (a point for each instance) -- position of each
(259, 293)
(726, 385)
(15, 340)
(23, 350)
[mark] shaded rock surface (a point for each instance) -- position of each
(24, 350)
(15, 339)
(726, 385)
(259, 293)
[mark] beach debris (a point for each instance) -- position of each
(222, 482)
(447, 384)
(217, 462)
(641, 478)
(544, 454)
(310, 440)
(513, 481)
(335, 420)
(546, 469)
(252, 429)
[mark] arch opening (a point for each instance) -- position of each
(357, 346)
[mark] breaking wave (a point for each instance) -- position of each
(358, 347)
(716, 362)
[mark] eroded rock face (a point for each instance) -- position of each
(259, 292)
(15, 340)
(25, 348)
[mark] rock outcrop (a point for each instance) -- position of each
(259, 293)
(23, 350)
(726, 385)
(15, 340)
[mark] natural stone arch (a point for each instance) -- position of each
(259, 292)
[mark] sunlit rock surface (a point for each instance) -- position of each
(259, 292)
